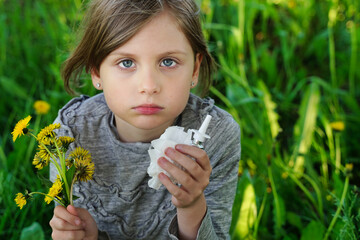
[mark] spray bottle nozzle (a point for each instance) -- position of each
(200, 135)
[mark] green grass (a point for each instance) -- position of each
(288, 69)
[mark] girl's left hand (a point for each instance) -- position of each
(194, 179)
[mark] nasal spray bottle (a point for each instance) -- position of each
(200, 135)
(170, 138)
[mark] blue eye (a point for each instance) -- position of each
(126, 63)
(168, 63)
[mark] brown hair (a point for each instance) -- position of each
(110, 23)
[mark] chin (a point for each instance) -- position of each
(151, 123)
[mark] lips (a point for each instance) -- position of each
(148, 109)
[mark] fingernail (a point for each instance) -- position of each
(179, 147)
(161, 175)
(169, 151)
(162, 161)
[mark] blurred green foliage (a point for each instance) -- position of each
(287, 71)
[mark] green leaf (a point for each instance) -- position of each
(70, 174)
(279, 212)
(270, 106)
(33, 232)
(248, 210)
(69, 178)
(313, 231)
(294, 219)
(305, 126)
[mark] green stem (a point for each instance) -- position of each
(241, 43)
(353, 59)
(337, 213)
(318, 195)
(331, 23)
(318, 205)
(337, 153)
(228, 104)
(252, 48)
(71, 189)
(304, 189)
(63, 168)
(56, 164)
(261, 211)
(51, 156)
(32, 193)
(276, 199)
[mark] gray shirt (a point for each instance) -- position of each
(119, 198)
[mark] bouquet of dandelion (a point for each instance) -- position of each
(51, 148)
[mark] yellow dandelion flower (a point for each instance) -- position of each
(20, 200)
(349, 166)
(81, 159)
(348, 169)
(43, 153)
(284, 175)
(54, 191)
(78, 153)
(39, 162)
(84, 170)
(291, 4)
(21, 128)
(41, 107)
(69, 162)
(329, 197)
(337, 126)
(66, 141)
(47, 133)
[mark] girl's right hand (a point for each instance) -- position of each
(73, 223)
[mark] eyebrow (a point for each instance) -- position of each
(120, 53)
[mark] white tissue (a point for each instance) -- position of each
(173, 135)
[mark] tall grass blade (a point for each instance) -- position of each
(279, 210)
(270, 107)
(353, 58)
(305, 126)
(248, 211)
(331, 23)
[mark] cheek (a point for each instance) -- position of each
(116, 97)
(178, 98)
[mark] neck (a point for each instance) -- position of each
(138, 136)
(129, 133)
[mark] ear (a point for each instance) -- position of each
(95, 78)
(197, 64)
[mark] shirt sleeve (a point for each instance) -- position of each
(220, 193)
(206, 231)
(103, 235)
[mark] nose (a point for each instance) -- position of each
(149, 82)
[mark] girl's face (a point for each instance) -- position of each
(147, 80)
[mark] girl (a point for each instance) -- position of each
(146, 56)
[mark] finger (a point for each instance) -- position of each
(71, 209)
(89, 223)
(193, 168)
(58, 224)
(175, 191)
(182, 177)
(69, 235)
(200, 155)
(62, 213)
